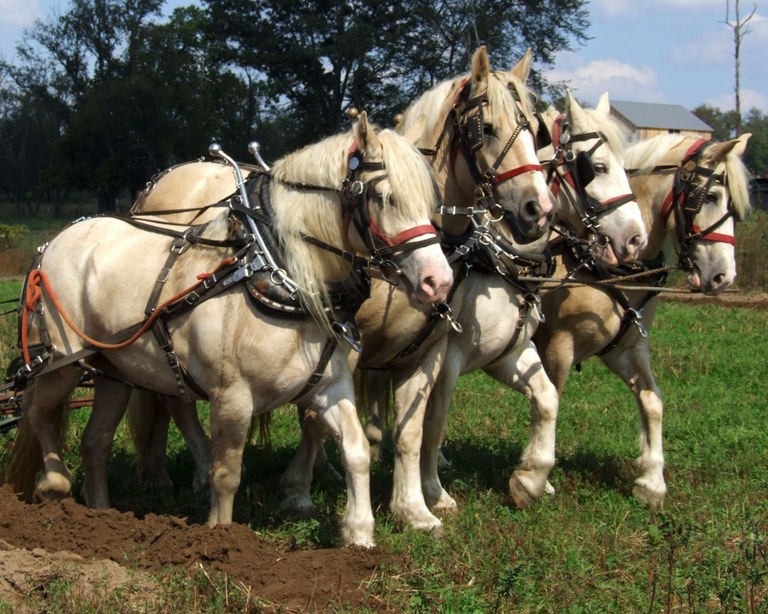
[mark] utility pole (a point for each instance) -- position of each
(740, 30)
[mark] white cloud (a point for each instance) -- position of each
(750, 99)
(621, 80)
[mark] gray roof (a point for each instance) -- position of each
(662, 116)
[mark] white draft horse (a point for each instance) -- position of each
(361, 192)
(691, 192)
(602, 204)
(482, 130)
(377, 350)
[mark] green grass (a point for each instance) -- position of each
(589, 548)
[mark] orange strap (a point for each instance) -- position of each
(33, 294)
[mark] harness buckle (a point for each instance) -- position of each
(390, 272)
(445, 312)
(636, 316)
(534, 301)
(348, 334)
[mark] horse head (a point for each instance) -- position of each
(480, 132)
(586, 172)
(699, 189)
(383, 193)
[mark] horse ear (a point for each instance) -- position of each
(603, 105)
(573, 109)
(365, 134)
(741, 145)
(523, 68)
(717, 152)
(481, 66)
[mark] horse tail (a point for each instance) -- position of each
(373, 392)
(265, 429)
(143, 417)
(24, 461)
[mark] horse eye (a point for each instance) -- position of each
(488, 130)
(712, 197)
(600, 168)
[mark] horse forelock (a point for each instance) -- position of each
(610, 130)
(411, 181)
(502, 100)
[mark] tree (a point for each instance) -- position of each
(319, 57)
(756, 156)
(740, 30)
(723, 123)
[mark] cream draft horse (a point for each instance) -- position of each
(602, 210)
(482, 128)
(691, 192)
(386, 331)
(362, 192)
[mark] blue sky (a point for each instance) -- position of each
(666, 51)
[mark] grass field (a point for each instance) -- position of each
(589, 548)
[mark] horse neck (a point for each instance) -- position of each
(651, 190)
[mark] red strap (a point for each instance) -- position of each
(517, 171)
(406, 235)
(716, 236)
(694, 148)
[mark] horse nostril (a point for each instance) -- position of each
(636, 243)
(532, 208)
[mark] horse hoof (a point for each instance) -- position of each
(296, 508)
(375, 452)
(445, 505)
(519, 494)
(52, 488)
(652, 497)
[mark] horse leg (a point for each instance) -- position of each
(525, 373)
(407, 503)
(109, 402)
(148, 420)
(633, 365)
(296, 481)
(556, 350)
(230, 427)
(186, 419)
(377, 383)
(435, 423)
(44, 404)
(342, 421)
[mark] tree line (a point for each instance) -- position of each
(109, 92)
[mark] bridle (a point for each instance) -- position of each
(690, 185)
(354, 195)
(467, 132)
(573, 172)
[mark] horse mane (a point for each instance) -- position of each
(643, 156)
(500, 102)
(409, 192)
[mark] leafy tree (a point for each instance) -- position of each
(319, 57)
(756, 156)
(723, 123)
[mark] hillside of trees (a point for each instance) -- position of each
(107, 93)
